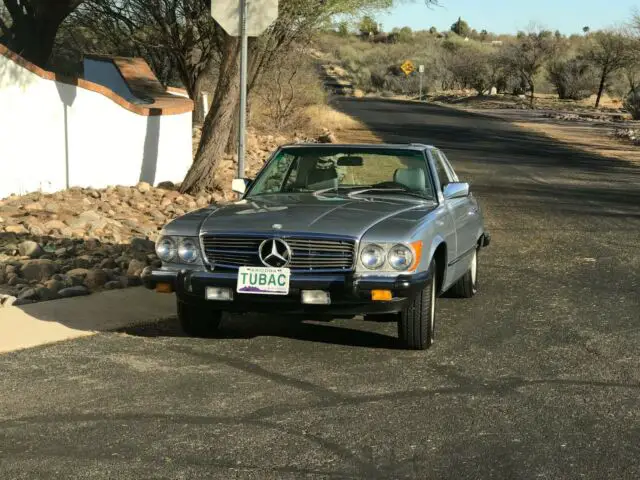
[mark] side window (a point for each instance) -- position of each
(452, 172)
(277, 173)
(441, 170)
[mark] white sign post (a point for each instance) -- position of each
(421, 71)
(244, 18)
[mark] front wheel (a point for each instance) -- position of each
(416, 324)
(197, 320)
(467, 286)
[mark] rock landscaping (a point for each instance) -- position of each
(627, 134)
(83, 240)
(78, 241)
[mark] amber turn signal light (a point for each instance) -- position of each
(164, 288)
(381, 295)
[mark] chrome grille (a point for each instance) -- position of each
(308, 254)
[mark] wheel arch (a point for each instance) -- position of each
(440, 256)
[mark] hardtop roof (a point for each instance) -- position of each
(361, 146)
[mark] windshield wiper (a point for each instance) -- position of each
(403, 191)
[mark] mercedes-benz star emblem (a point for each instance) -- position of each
(274, 252)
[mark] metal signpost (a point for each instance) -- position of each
(421, 71)
(244, 19)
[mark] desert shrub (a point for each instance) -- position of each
(348, 54)
(573, 78)
(285, 91)
(363, 79)
(471, 65)
(632, 104)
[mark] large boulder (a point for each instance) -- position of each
(38, 270)
(135, 267)
(95, 279)
(76, 291)
(31, 249)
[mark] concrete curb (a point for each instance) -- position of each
(36, 324)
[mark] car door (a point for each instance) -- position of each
(464, 212)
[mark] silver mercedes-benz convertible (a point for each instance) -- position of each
(340, 230)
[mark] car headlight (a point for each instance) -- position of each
(372, 256)
(166, 249)
(400, 257)
(188, 250)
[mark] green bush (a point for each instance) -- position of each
(573, 78)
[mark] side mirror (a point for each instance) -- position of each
(240, 185)
(456, 190)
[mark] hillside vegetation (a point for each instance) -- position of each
(583, 69)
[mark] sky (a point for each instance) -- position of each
(509, 16)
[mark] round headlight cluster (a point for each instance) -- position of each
(188, 251)
(399, 257)
(166, 249)
(372, 256)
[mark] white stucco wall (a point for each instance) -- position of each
(48, 128)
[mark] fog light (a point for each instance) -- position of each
(381, 295)
(219, 294)
(316, 297)
(164, 288)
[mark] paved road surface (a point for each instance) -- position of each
(537, 377)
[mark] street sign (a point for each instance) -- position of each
(244, 19)
(407, 67)
(421, 69)
(260, 15)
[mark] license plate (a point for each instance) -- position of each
(263, 280)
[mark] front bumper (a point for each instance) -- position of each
(350, 294)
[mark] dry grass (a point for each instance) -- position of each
(346, 128)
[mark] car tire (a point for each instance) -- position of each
(416, 322)
(198, 321)
(467, 286)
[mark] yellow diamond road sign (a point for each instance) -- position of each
(407, 67)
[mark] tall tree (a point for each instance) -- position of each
(528, 54)
(296, 21)
(31, 26)
(608, 51)
(368, 26)
(461, 28)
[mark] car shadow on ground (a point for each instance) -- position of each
(250, 326)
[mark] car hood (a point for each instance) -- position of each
(309, 214)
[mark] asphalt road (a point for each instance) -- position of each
(537, 377)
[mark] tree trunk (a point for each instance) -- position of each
(198, 108)
(34, 41)
(232, 144)
(603, 79)
(217, 125)
(34, 27)
(532, 86)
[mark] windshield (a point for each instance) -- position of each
(360, 171)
